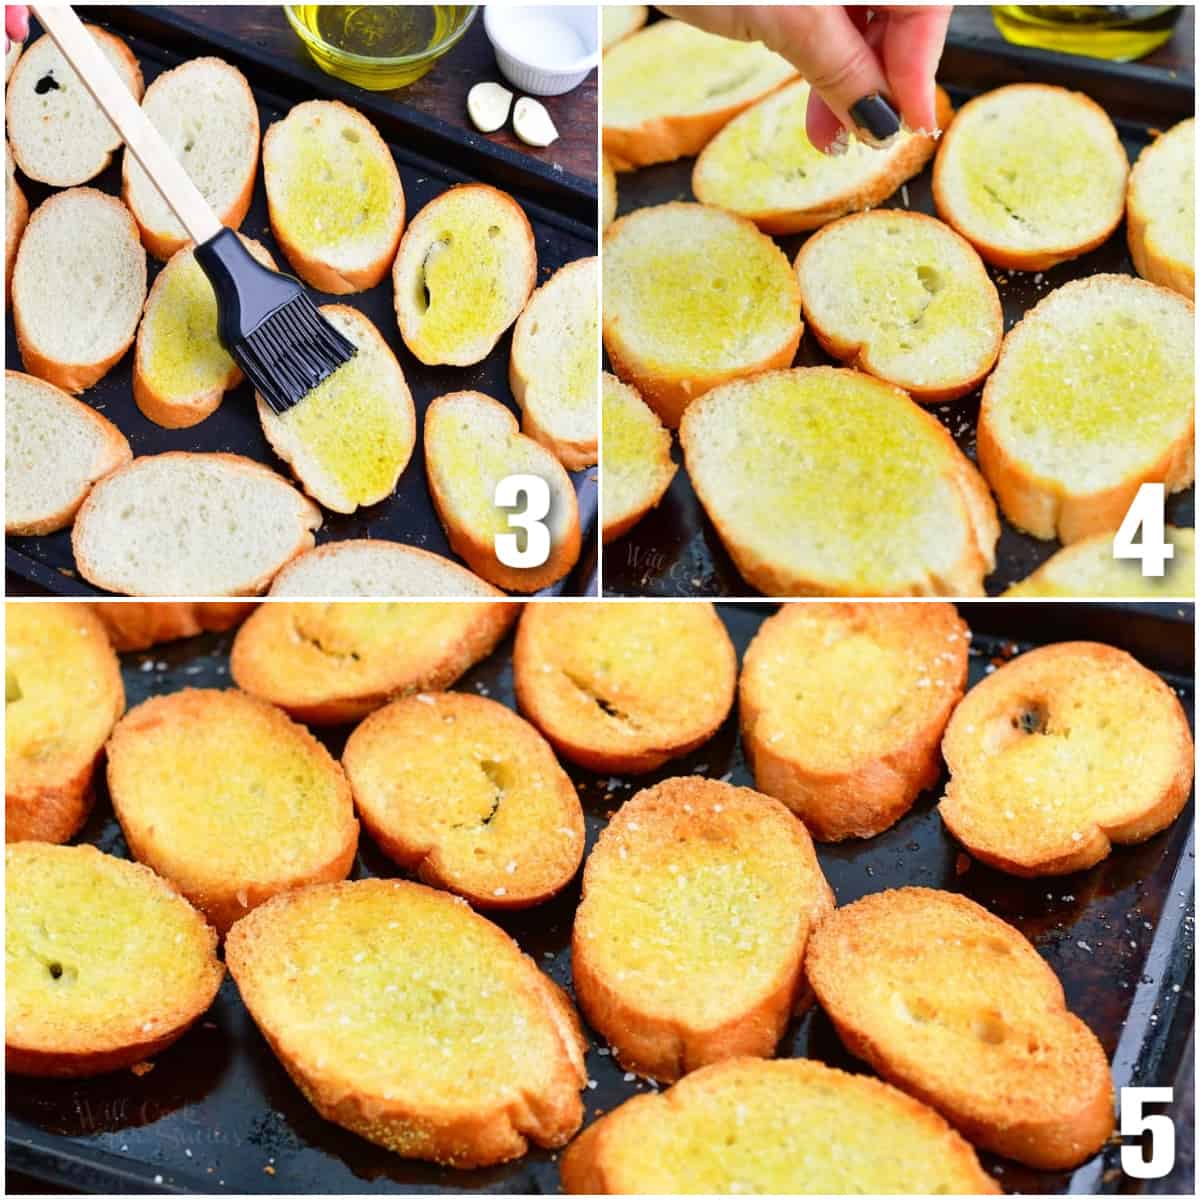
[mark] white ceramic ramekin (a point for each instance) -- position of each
(518, 33)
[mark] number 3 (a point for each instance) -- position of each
(1160, 1127)
(511, 491)
(1146, 512)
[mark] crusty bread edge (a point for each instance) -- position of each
(15, 220)
(1148, 260)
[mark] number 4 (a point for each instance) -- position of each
(1160, 1127)
(1147, 513)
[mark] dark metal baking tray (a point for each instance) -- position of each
(218, 1112)
(675, 550)
(431, 156)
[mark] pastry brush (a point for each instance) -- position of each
(266, 320)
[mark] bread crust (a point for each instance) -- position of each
(16, 216)
(613, 528)
(1149, 261)
(140, 626)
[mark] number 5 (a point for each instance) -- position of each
(535, 492)
(1160, 1127)
(1146, 511)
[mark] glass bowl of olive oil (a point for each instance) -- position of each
(379, 46)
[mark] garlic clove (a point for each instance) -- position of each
(488, 105)
(532, 123)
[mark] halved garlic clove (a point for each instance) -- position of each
(488, 105)
(532, 123)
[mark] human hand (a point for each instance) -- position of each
(16, 24)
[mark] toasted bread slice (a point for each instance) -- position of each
(471, 443)
(331, 663)
(59, 135)
(412, 1021)
(63, 693)
(688, 944)
(208, 117)
(618, 21)
(637, 467)
(553, 367)
(608, 195)
(461, 791)
(1031, 175)
(670, 87)
(16, 216)
(78, 287)
(55, 448)
(790, 1127)
(762, 166)
(334, 195)
(183, 524)
(465, 269)
(280, 817)
(350, 439)
(843, 707)
(1093, 395)
(623, 687)
(134, 626)
(1160, 210)
(107, 964)
(956, 1008)
(1061, 753)
(881, 502)
(694, 297)
(903, 297)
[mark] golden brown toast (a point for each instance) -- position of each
(138, 626)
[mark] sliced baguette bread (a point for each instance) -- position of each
(465, 269)
(10, 58)
(618, 21)
(956, 1008)
(688, 945)
(843, 707)
(133, 626)
(471, 443)
(349, 440)
(181, 371)
(1031, 175)
(608, 195)
(106, 964)
(63, 693)
(903, 297)
(412, 1021)
(1093, 395)
(623, 687)
(183, 524)
(208, 117)
(694, 297)
(78, 288)
(670, 87)
(55, 448)
(1061, 753)
(331, 663)
(637, 467)
(16, 216)
(373, 567)
(554, 364)
(461, 791)
(823, 481)
(59, 135)
(1160, 210)
(334, 196)
(790, 1127)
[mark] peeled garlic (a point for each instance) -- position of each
(488, 104)
(532, 123)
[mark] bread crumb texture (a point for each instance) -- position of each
(637, 466)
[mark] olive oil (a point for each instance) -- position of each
(1120, 32)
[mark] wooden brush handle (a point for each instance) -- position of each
(144, 141)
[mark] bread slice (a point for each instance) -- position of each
(670, 87)
(460, 791)
(471, 444)
(10, 58)
(903, 297)
(59, 135)
(412, 1021)
(16, 216)
(55, 448)
(956, 1008)
(762, 166)
(698, 901)
(554, 365)
(63, 693)
(327, 664)
(618, 21)
(1093, 395)
(843, 707)
(106, 964)
(694, 297)
(465, 269)
(637, 467)
(183, 524)
(1031, 175)
(374, 567)
(208, 117)
(823, 481)
(1061, 753)
(608, 194)
(133, 626)
(78, 288)
(280, 817)
(334, 196)
(349, 440)
(1160, 210)
(623, 687)
(181, 371)
(790, 1127)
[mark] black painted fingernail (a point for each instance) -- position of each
(874, 114)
